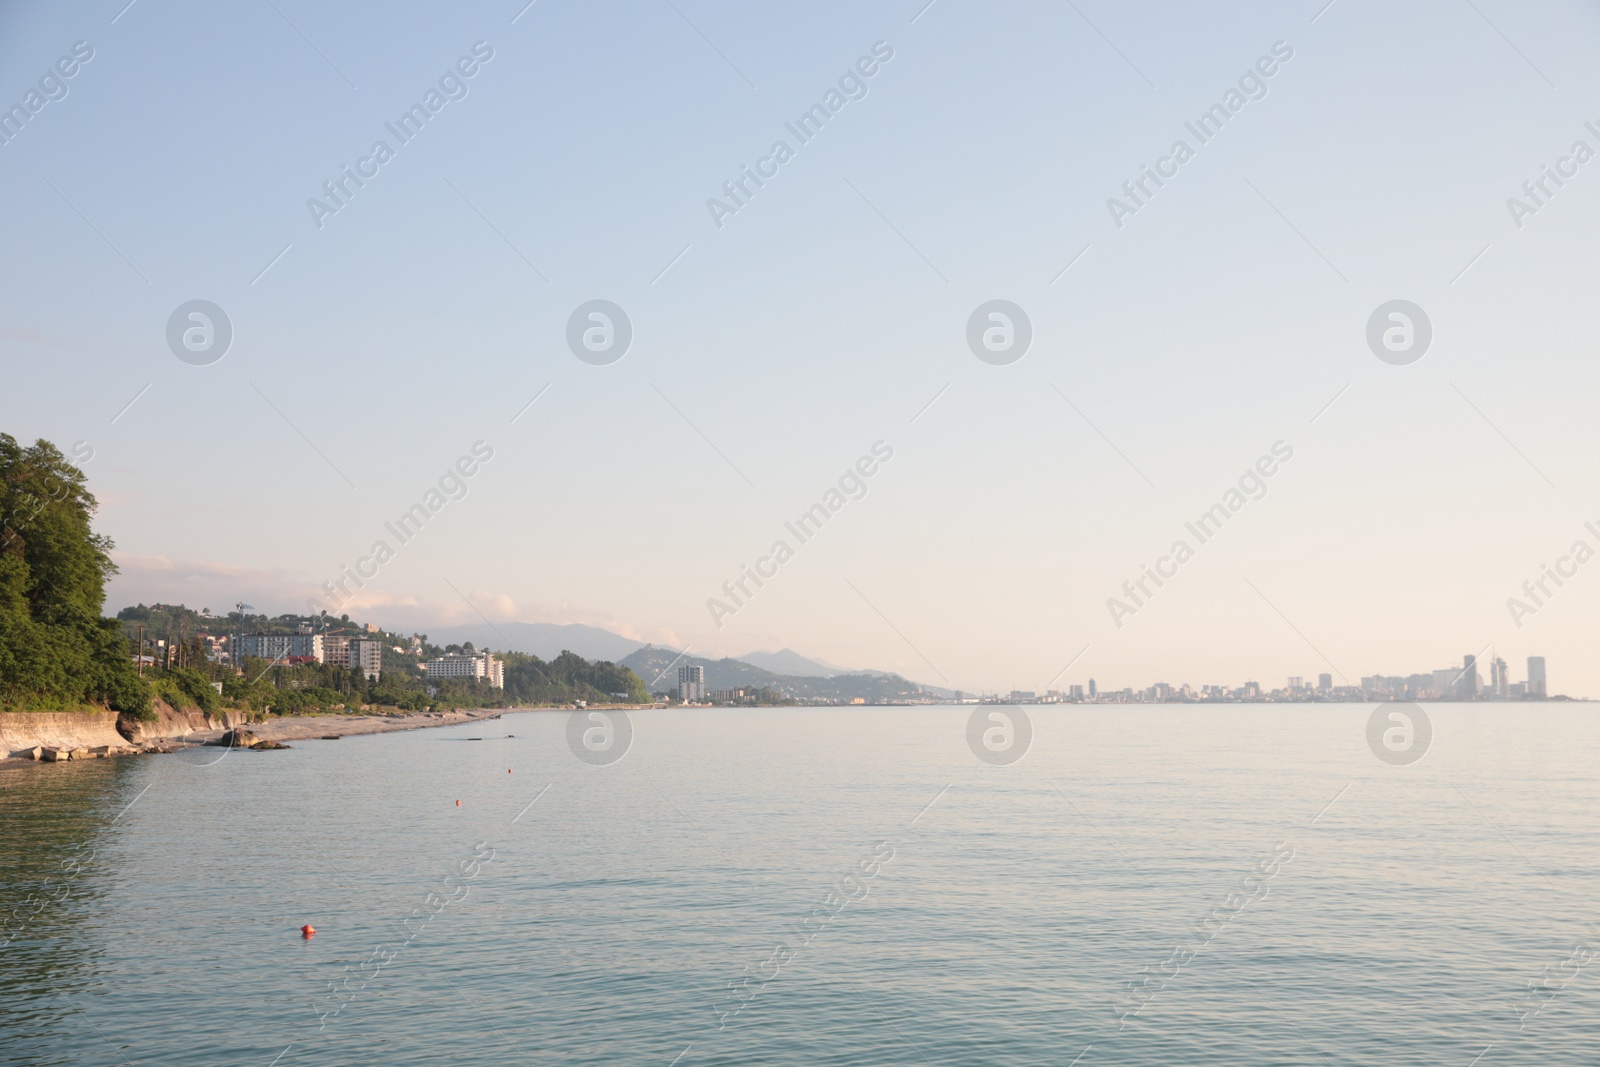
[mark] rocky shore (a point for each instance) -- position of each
(59, 737)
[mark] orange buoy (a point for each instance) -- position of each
(508, 770)
(308, 931)
(458, 803)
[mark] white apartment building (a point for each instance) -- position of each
(460, 665)
(279, 647)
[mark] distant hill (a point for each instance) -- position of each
(788, 661)
(801, 677)
(543, 639)
(658, 667)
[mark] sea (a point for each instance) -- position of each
(1062, 885)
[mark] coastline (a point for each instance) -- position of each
(279, 729)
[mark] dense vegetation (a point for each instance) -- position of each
(57, 652)
(568, 677)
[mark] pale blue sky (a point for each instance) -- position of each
(825, 315)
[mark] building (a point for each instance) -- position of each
(363, 652)
(1324, 683)
(279, 648)
(691, 685)
(1499, 684)
(1076, 692)
(367, 654)
(479, 665)
(336, 650)
(1296, 683)
(1467, 688)
(1093, 692)
(1537, 686)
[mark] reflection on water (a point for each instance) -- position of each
(1159, 886)
(52, 822)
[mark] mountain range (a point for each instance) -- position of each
(543, 639)
(785, 670)
(658, 667)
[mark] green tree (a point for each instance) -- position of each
(56, 650)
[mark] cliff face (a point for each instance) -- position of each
(26, 730)
(169, 723)
(21, 732)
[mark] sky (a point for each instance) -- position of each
(778, 335)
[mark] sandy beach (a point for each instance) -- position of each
(299, 727)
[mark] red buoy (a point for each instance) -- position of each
(458, 803)
(308, 931)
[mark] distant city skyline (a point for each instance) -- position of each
(1448, 683)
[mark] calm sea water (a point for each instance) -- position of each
(998, 912)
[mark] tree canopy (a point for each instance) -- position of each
(56, 650)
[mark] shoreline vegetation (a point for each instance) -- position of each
(165, 673)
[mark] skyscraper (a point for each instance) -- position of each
(1467, 686)
(1536, 681)
(1324, 683)
(691, 684)
(1499, 684)
(1093, 692)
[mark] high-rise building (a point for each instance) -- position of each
(1075, 692)
(1537, 686)
(366, 655)
(1093, 692)
(335, 650)
(363, 652)
(1499, 684)
(691, 684)
(1296, 682)
(1467, 687)
(1324, 683)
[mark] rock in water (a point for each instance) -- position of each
(238, 737)
(264, 744)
